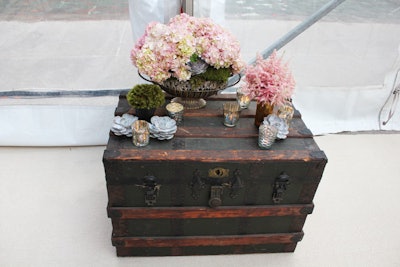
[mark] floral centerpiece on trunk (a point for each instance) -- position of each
(187, 49)
(270, 82)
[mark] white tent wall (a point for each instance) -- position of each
(346, 65)
(344, 72)
(59, 56)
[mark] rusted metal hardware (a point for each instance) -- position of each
(280, 186)
(151, 189)
(216, 196)
(218, 179)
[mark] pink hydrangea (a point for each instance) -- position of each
(165, 50)
(269, 80)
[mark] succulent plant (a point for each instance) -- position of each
(146, 96)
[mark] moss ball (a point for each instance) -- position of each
(146, 96)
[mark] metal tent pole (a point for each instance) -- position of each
(319, 14)
(187, 7)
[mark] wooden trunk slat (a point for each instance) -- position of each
(210, 250)
(244, 129)
(210, 155)
(151, 227)
(203, 212)
(216, 144)
(199, 241)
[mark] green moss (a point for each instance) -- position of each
(146, 96)
(194, 58)
(218, 75)
(211, 74)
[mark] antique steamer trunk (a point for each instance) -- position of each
(211, 189)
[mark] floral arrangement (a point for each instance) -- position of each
(269, 80)
(184, 47)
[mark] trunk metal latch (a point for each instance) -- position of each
(151, 189)
(280, 186)
(218, 179)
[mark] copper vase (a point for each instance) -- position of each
(262, 111)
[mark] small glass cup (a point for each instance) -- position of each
(175, 111)
(140, 133)
(286, 113)
(243, 99)
(231, 114)
(266, 136)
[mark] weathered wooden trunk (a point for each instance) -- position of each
(211, 189)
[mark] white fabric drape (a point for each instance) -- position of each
(143, 12)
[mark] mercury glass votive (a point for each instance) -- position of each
(242, 99)
(266, 136)
(175, 111)
(231, 114)
(140, 133)
(286, 113)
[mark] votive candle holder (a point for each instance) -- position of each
(266, 136)
(243, 99)
(231, 111)
(175, 111)
(140, 133)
